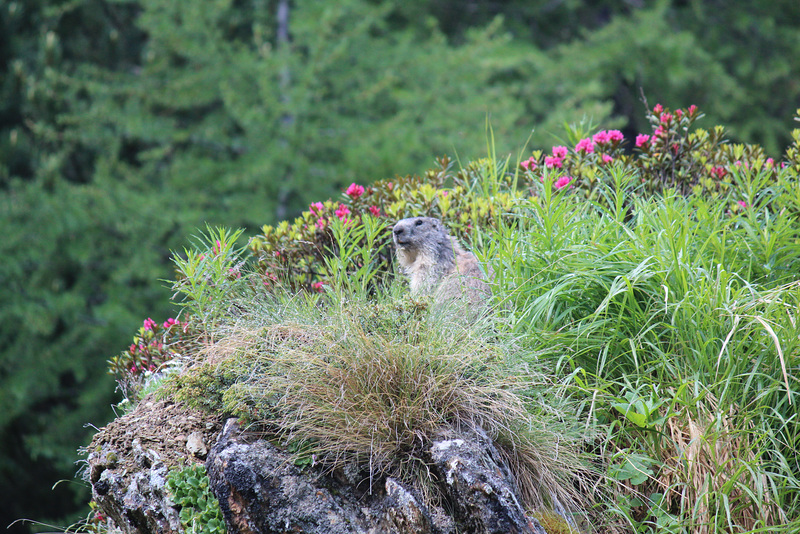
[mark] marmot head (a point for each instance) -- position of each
(417, 233)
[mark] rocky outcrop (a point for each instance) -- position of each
(261, 490)
(129, 459)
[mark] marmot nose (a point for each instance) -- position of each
(398, 231)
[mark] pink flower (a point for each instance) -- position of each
(375, 211)
(601, 138)
(217, 248)
(665, 118)
(322, 223)
(355, 191)
(679, 113)
(342, 212)
(317, 286)
(642, 140)
(770, 162)
(316, 208)
(742, 203)
(149, 324)
(528, 164)
(615, 135)
(692, 109)
(720, 172)
(132, 348)
(658, 109)
(169, 322)
(560, 151)
(562, 182)
(552, 162)
(607, 158)
(585, 145)
(658, 132)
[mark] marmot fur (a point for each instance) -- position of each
(435, 262)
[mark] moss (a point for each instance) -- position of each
(554, 523)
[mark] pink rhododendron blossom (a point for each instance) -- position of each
(658, 132)
(642, 140)
(615, 135)
(692, 109)
(149, 324)
(585, 145)
(742, 203)
(658, 109)
(607, 158)
(600, 137)
(316, 208)
(342, 212)
(666, 117)
(560, 151)
(552, 162)
(132, 348)
(770, 162)
(719, 172)
(562, 182)
(217, 248)
(679, 113)
(375, 211)
(169, 322)
(317, 286)
(354, 191)
(322, 223)
(528, 164)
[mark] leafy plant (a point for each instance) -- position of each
(199, 509)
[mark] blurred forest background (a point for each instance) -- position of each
(126, 126)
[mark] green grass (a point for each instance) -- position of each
(675, 321)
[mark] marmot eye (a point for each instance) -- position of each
(418, 222)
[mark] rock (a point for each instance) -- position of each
(479, 486)
(260, 490)
(195, 445)
(137, 502)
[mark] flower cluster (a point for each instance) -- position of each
(670, 156)
(577, 166)
(153, 345)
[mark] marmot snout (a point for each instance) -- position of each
(434, 261)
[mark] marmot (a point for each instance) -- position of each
(435, 262)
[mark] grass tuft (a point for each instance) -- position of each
(365, 385)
